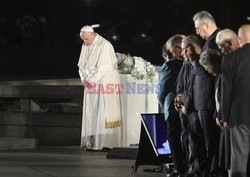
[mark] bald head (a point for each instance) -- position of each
(227, 41)
(244, 34)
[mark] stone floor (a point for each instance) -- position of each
(66, 162)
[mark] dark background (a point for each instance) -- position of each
(40, 39)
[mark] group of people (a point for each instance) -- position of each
(204, 94)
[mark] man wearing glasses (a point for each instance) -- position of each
(206, 28)
(204, 90)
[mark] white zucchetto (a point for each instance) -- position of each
(87, 29)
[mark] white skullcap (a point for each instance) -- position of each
(87, 29)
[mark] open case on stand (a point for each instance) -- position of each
(153, 146)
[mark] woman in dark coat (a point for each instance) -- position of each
(211, 60)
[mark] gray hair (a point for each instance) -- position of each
(192, 40)
(225, 35)
(175, 41)
(166, 52)
(203, 16)
(210, 57)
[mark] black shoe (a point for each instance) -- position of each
(168, 170)
(174, 174)
(159, 169)
(196, 173)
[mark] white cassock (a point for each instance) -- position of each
(102, 115)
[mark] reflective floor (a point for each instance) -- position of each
(67, 162)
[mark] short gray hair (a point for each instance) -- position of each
(166, 52)
(203, 16)
(192, 40)
(175, 41)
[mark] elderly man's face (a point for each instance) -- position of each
(200, 29)
(184, 50)
(225, 47)
(210, 69)
(176, 52)
(87, 37)
(188, 52)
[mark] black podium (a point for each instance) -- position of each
(153, 145)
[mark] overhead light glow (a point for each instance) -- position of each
(143, 35)
(95, 25)
(115, 37)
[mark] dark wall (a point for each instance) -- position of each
(38, 35)
(32, 63)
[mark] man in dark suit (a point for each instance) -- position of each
(204, 85)
(181, 89)
(168, 78)
(191, 48)
(235, 105)
(227, 41)
(184, 103)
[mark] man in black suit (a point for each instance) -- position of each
(181, 89)
(204, 88)
(235, 108)
(191, 49)
(227, 41)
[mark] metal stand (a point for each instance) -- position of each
(146, 154)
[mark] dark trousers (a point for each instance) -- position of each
(225, 150)
(184, 135)
(197, 150)
(174, 138)
(211, 133)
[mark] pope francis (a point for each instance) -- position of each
(102, 115)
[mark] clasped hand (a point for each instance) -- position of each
(89, 84)
(221, 123)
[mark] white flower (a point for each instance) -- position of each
(120, 57)
(129, 61)
(136, 66)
